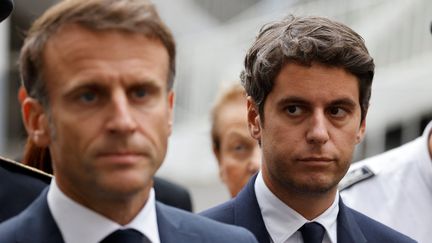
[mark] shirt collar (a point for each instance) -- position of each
(80, 224)
(282, 222)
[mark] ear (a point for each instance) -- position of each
(22, 94)
(254, 122)
(171, 96)
(36, 122)
(361, 132)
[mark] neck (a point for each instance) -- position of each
(125, 210)
(309, 205)
(118, 207)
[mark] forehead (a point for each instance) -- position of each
(78, 48)
(316, 82)
(75, 35)
(233, 109)
(232, 115)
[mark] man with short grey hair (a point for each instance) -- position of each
(99, 75)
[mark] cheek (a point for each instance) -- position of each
(236, 169)
(157, 126)
(76, 140)
(228, 166)
(350, 136)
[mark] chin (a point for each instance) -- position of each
(318, 187)
(127, 186)
(311, 186)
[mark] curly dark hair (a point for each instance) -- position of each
(304, 40)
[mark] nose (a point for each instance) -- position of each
(120, 113)
(317, 132)
(255, 161)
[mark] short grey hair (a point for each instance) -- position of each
(135, 16)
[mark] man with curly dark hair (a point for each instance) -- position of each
(308, 81)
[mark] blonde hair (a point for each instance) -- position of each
(228, 95)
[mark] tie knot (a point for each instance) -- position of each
(312, 232)
(125, 236)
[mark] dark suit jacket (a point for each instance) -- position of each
(19, 186)
(172, 194)
(352, 226)
(36, 225)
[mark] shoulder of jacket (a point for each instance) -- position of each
(20, 168)
(355, 176)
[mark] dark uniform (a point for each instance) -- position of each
(172, 194)
(19, 186)
(6, 7)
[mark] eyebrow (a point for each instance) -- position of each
(344, 102)
(238, 134)
(292, 100)
(301, 101)
(98, 82)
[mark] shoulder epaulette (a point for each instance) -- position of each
(355, 176)
(24, 169)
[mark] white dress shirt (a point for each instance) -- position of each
(79, 224)
(399, 194)
(282, 222)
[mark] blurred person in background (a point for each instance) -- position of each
(99, 75)
(308, 81)
(395, 187)
(19, 184)
(237, 153)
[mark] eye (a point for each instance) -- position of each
(88, 96)
(293, 110)
(240, 151)
(139, 92)
(337, 112)
(239, 147)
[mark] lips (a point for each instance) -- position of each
(121, 158)
(316, 159)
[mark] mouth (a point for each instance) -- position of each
(316, 160)
(120, 158)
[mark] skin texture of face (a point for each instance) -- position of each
(311, 126)
(109, 116)
(239, 156)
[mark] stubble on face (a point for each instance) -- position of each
(310, 131)
(110, 116)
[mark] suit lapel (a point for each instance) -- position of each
(248, 214)
(170, 227)
(39, 223)
(347, 228)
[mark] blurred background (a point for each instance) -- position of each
(212, 38)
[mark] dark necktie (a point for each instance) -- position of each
(126, 236)
(312, 232)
